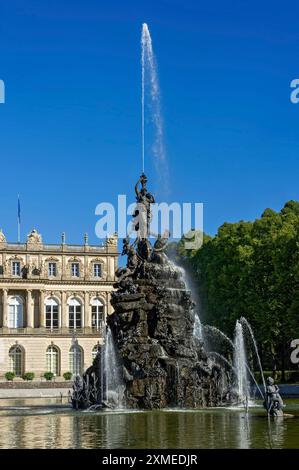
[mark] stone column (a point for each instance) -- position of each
(5, 308)
(64, 315)
(42, 317)
(108, 307)
(112, 272)
(82, 312)
(87, 310)
(86, 273)
(63, 265)
(29, 310)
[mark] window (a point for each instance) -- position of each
(76, 359)
(52, 313)
(16, 360)
(97, 314)
(75, 314)
(16, 268)
(15, 312)
(75, 270)
(97, 270)
(52, 357)
(52, 269)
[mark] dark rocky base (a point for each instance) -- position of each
(157, 362)
(163, 365)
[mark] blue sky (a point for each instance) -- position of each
(70, 127)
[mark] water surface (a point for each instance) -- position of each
(46, 423)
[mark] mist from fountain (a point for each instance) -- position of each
(198, 328)
(197, 331)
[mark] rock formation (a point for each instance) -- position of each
(159, 359)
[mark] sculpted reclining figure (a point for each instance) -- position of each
(274, 403)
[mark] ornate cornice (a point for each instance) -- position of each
(56, 282)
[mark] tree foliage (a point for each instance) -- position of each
(251, 269)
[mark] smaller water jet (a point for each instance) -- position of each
(114, 388)
(218, 333)
(101, 385)
(240, 365)
(223, 359)
(244, 322)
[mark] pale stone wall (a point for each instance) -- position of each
(35, 296)
(63, 264)
(35, 352)
(36, 286)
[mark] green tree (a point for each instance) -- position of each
(251, 269)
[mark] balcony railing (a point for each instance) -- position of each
(64, 331)
(56, 247)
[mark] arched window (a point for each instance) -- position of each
(16, 360)
(95, 350)
(97, 314)
(52, 313)
(52, 356)
(75, 314)
(76, 359)
(15, 312)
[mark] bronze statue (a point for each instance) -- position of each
(159, 248)
(132, 263)
(143, 211)
(273, 404)
(126, 246)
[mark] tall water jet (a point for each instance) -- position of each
(150, 89)
(240, 365)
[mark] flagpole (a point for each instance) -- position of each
(19, 220)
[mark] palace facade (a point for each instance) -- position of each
(53, 304)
